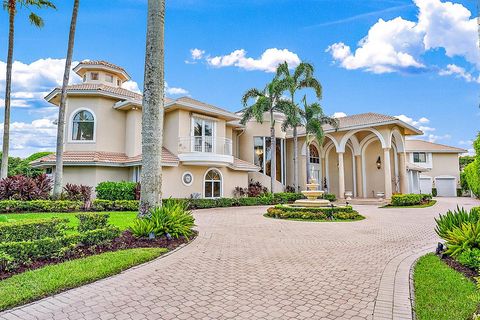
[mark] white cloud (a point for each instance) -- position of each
(174, 90)
(31, 82)
(197, 54)
(339, 115)
(268, 61)
(420, 123)
(459, 72)
(435, 138)
(398, 45)
(132, 86)
(411, 121)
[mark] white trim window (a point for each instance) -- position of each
(136, 174)
(420, 157)
(203, 133)
(262, 156)
(83, 126)
(213, 184)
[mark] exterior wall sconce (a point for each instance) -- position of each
(379, 163)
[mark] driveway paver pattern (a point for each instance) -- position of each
(245, 266)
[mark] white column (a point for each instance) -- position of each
(402, 171)
(388, 173)
(358, 172)
(341, 176)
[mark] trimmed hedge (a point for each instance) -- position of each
(32, 229)
(335, 213)
(109, 190)
(92, 221)
(40, 206)
(117, 205)
(7, 206)
(405, 200)
(23, 252)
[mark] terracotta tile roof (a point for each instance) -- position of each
(242, 165)
(362, 119)
(98, 157)
(421, 145)
(103, 87)
(102, 63)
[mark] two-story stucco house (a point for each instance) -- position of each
(207, 152)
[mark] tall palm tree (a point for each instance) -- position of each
(265, 101)
(301, 78)
(58, 181)
(152, 110)
(11, 7)
(314, 119)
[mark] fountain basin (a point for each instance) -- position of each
(311, 203)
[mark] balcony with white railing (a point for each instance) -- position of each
(205, 150)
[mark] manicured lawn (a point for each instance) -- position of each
(431, 203)
(36, 284)
(442, 293)
(121, 219)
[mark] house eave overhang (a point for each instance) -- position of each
(44, 164)
(82, 68)
(51, 97)
(223, 114)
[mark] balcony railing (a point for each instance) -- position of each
(215, 145)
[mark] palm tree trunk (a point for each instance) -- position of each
(8, 89)
(273, 152)
(152, 111)
(295, 159)
(57, 187)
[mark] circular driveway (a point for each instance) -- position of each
(245, 266)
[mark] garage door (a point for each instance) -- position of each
(426, 185)
(446, 186)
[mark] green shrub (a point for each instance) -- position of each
(454, 219)
(24, 252)
(472, 177)
(172, 218)
(287, 197)
(330, 197)
(32, 229)
(470, 258)
(109, 190)
(411, 199)
(463, 238)
(117, 205)
(92, 221)
(336, 213)
(7, 206)
(434, 192)
(6, 261)
(459, 192)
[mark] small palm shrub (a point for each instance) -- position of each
(470, 258)
(463, 238)
(172, 218)
(77, 192)
(455, 219)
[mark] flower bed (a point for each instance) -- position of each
(314, 214)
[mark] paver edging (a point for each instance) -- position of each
(393, 301)
(183, 245)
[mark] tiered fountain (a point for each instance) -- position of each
(312, 193)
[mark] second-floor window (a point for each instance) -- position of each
(83, 126)
(262, 156)
(314, 156)
(94, 75)
(419, 157)
(203, 135)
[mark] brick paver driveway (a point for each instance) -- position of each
(245, 266)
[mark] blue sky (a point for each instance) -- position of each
(421, 61)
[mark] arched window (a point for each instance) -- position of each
(314, 156)
(83, 126)
(213, 184)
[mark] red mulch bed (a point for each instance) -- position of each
(125, 241)
(455, 265)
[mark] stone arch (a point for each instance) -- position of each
(399, 140)
(348, 135)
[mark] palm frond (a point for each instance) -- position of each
(303, 71)
(36, 20)
(251, 94)
(311, 83)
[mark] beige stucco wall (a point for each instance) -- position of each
(133, 137)
(109, 125)
(91, 176)
(174, 187)
(444, 164)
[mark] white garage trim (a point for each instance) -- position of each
(446, 186)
